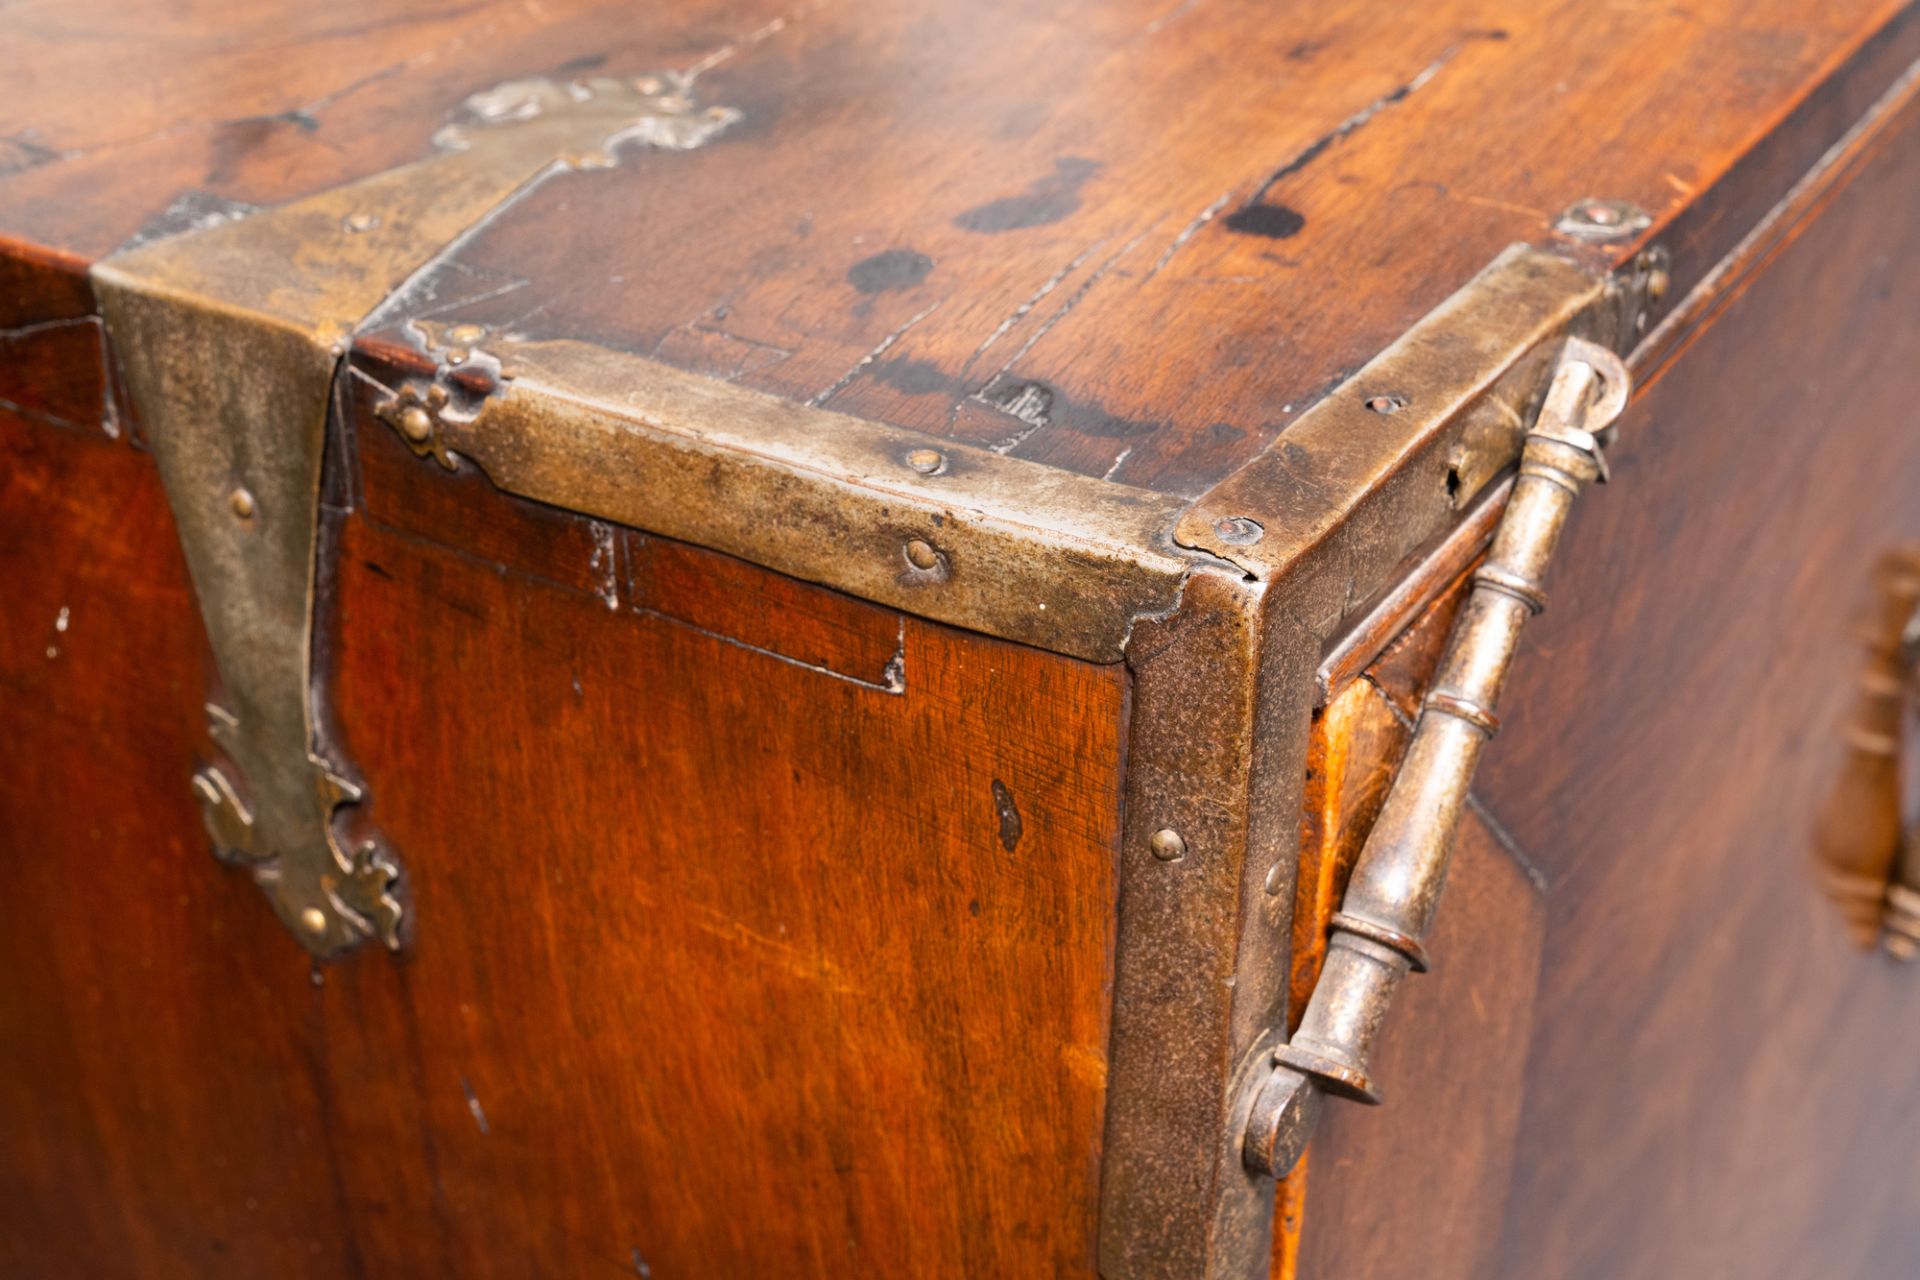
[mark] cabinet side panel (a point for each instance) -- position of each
(1717, 1079)
(1720, 1082)
(738, 953)
(159, 1109)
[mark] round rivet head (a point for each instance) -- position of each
(314, 921)
(1239, 531)
(926, 461)
(467, 333)
(1599, 220)
(242, 503)
(1276, 878)
(921, 555)
(1386, 403)
(416, 424)
(1167, 845)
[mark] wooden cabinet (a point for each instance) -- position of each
(790, 623)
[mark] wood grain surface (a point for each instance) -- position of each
(738, 952)
(1130, 239)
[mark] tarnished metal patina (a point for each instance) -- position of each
(1014, 548)
(1216, 752)
(1395, 887)
(228, 338)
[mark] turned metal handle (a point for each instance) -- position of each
(1395, 887)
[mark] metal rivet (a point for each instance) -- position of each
(416, 424)
(314, 921)
(1238, 531)
(1276, 877)
(362, 221)
(1387, 403)
(242, 503)
(926, 461)
(1167, 845)
(1602, 220)
(467, 332)
(458, 355)
(921, 555)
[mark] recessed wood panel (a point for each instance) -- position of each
(724, 963)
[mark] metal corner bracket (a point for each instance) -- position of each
(229, 339)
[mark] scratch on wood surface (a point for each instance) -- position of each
(46, 326)
(1018, 314)
(35, 415)
(860, 367)
(765, 31)
(1020, 404)
(1178, 11)
(604, 563)
(1315, 149)
(474, 1108)
(799, 963)
(1191, 230)
(1488, 202)
(893, 678)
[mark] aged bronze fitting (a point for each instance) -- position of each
(1858, 856)
(1396, 883)
(1900, 909)
(229, 338)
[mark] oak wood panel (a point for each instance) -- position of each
(1719, 1079)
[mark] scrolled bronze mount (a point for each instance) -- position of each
(1395, 888)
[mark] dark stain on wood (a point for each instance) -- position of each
(888, 271)
(1009, 812)
(1274, 221)
(1048, 199)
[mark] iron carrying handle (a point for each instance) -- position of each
(1396, 883)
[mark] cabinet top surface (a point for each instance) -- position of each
(1132, 239)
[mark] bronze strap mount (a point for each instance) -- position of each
(1396, 883)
